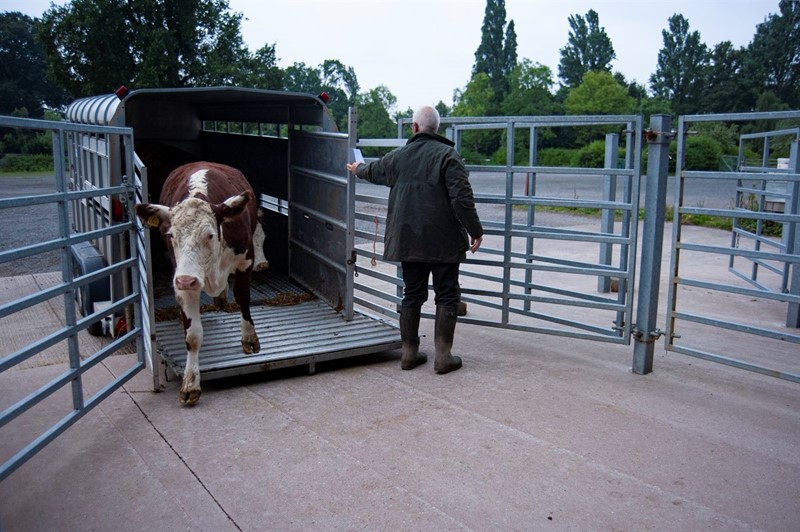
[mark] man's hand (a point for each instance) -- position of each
(475, 243)
(352, 167)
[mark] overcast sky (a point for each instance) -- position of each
(422, 50)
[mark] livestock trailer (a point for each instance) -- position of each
(288, 147)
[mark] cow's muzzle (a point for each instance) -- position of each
(187, 282)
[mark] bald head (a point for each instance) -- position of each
(427, 118)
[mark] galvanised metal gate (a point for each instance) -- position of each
(69, 394)
(734, 296)
(521, 278)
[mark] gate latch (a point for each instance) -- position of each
(652, 336)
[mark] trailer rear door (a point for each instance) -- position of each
(321, 203)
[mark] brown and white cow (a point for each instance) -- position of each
(207, 216)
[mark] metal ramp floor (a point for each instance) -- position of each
(301, 334)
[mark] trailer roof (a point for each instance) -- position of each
(209, 103)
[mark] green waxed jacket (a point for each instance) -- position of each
(431, 207)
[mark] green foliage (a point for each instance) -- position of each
(681, 71)
(15, 162)
(588, 49)
(770, 63)
(557, 157)
(599, 94)
(529, 95)
(730, 91)
(702, 153)
(374, 121)
(93, 46)
(593, 155)
(23, 83)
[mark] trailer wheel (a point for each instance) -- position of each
(87, 259)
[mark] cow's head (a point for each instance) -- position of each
(192, 231)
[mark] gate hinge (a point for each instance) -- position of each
(352, 261)
(651, 337)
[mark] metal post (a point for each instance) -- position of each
(791, 232)
(645, 334)
(607, 217)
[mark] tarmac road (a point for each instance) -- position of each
(25, 226)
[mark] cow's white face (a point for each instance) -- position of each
(195, 239)
(203, 261)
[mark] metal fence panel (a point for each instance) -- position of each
(62, 336)
(742, 284)
(520, 279)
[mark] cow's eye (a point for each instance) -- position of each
(168, 235)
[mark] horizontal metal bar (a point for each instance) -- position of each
(34, 398)
(59, 243)
(774, 296)
(63, 333)
(741, 213)
(60, 289)
(769, 174)
(739, 252)
(741, 117)
(738, 327)
(381, 143)
(777, 133)
(728, 361)
(608, 338)
(67, 421)
(55, 197)
(29, 123)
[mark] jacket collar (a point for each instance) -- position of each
(430, 136)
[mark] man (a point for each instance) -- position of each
(431, 224)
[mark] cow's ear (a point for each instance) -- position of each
(152, 214)
(231, 206)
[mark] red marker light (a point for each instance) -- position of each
(324, 97)
(121, 92)
(117, 210)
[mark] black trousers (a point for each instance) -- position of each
(445, 283)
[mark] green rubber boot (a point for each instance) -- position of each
(444, 330)
(409, 334)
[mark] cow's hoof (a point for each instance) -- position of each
(251, 346)
(189, 398)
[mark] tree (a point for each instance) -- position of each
(23, 79)
(260, 70)
(772, 61)
(334, 78)
(496, 55)
(302, 78)
(598, 94)
(588, 49)
(727, 91)
(529, 95)
(476, 100)
(374, 120)
(682, 67)
(341, 84)
(93, 46)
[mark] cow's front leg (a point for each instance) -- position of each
(193, 327)
(241, 291)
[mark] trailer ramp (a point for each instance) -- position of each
(304, 333)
